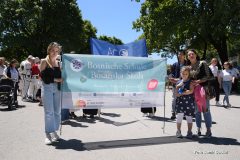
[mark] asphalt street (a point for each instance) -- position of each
(119, 134)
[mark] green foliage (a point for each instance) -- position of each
(112, 40)
(28, 26)
(175, 24)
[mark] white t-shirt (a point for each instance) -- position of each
(226, 75)
(26, 65)
(214, 70)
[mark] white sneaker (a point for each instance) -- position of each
(218, 103)
(55, 137)
(48, 139)
(179, 134)
(223, 104)
(151, 114)
(145, 114)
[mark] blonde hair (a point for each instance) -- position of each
(49, 48)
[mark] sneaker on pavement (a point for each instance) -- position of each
(189, 135)
(208, 134)
(179, 134)
(48, 139)
(218, 103)
(223, 104)
(55, 137)
(151, 114)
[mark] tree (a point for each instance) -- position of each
(89, 32)
(28, 26)
(112, 40)
(175, 24)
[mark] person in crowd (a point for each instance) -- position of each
(233, 66)
(174, 77)
(226, 79)
(214, 68)
(12, 73)
(34, 84)
(185, 105)
(200, 73)
(25, 71)
(51, 78)
(38, 96)
(2, 66)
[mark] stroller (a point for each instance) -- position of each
(7, 93)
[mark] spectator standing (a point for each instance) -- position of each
(200, 74)
(226, 79)
(185, 105)
(25, 71)
(215, 72)
(51, 77)
(12, 73)
(34, 84)
(174, 77)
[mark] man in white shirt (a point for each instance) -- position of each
(25, 71)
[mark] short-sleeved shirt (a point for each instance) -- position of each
(14, 73)
(35, 70)
(227, 75)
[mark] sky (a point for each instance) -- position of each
(113, 18)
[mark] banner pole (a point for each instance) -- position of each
(164, 104)
(61, 94)
(164, 110)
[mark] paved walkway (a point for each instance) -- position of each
(119, 134)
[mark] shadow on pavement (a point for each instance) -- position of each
(110, 114)
(219, 141)
(108, 121)
(227, 107)
(74, 124)
(73, 144)
(79, 146)
(234, 107)
(6, 109)
(156, 118)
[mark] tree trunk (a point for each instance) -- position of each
(223, 52)
(221, 46)
(205, 51)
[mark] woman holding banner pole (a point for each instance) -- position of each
(51, 77)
